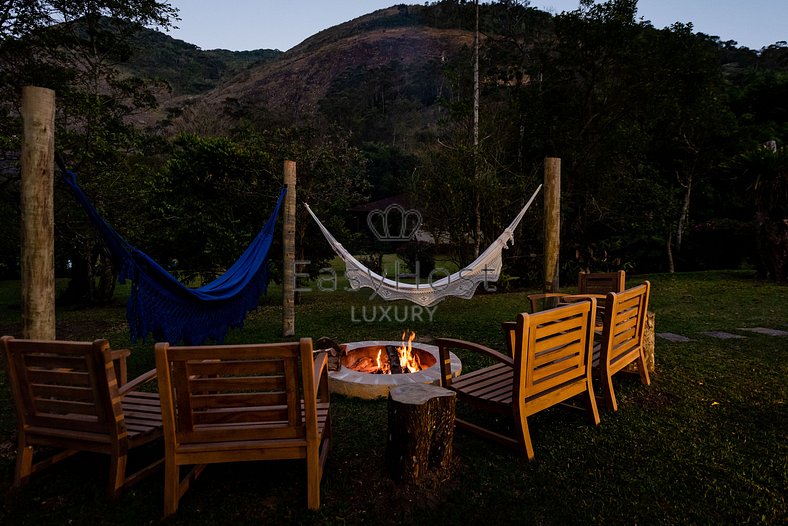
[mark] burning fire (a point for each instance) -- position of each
(383, 368)
(407, 358)
(409, 361)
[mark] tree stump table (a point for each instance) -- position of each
(420, 431)
(648, 346)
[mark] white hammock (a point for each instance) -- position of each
(485, 268)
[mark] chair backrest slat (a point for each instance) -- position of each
(551, 348)
(236, 367)
(237, 433)
(63, 392)
(237, 383)
(230, 400)
(63, 407)
(553, 327)
(55, 361)
(261, 415)
(59, 376)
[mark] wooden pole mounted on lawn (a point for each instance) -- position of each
(552, 222)
(288, 248)
(38, 213)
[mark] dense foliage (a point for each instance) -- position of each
(645, 121)
(661, 133)
(186, 68)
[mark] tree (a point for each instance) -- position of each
(618, 101)
(206, 204)
(75, 47)
(331, 178)
(766, 168)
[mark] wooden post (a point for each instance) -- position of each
(38, 213)
(552, 222)
(288, 244)
(420, 431)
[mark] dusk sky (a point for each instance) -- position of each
(276, 24)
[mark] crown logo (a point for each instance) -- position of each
(394, 223)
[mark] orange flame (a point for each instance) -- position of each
(381, 366)
(407, 359)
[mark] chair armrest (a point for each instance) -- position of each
(508, 328)
(578, 297)
(321, 376)
(534, 298)
(451, 343)
(119, 362)
(141, 379)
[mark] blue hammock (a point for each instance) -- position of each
(161, 305)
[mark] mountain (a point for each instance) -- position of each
(358, 74)
(188, 69)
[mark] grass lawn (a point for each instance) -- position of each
(706, 443)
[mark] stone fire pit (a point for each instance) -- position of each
(348, 382)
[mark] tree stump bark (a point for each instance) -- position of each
(420, 431)
(648, 345)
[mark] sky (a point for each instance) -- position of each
(278, 24)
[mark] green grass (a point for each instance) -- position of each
(706, 443)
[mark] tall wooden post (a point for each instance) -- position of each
(552, 222)
(288, 244)
(38, 213)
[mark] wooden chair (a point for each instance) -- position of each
(595, 284)
(72, 397)
(622, 338)
(231, 403)
(550, 363)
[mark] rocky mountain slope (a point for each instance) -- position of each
(362, 69)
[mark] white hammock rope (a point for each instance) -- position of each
(484, 269)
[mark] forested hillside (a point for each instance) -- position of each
(188, 69)
(672, 142)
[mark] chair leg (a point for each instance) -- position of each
(325, 445)
(25, 466)
(644, 376)
(24, 463)
(591, 410)
(526, 445)
(171, 486)
(117, 475)
(609, 394)
(313, 472)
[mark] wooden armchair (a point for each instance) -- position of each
(72, 396)
(550, 362)
(231, 403)
(621, 342)
(595, 284)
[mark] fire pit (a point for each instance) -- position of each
(369, 368)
